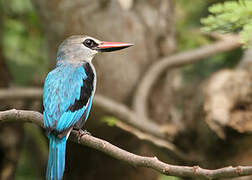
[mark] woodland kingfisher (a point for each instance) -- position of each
(68, 94)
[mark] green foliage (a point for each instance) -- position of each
(187, 20)
(188, 13)
(192, 40)
(22, 41)
(15, 6)
(231, 16)
(19, 45)
(246, 33)
(110, 121)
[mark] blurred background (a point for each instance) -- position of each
(202, 108)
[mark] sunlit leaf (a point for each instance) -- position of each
(109, 120)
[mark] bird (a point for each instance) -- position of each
(68, 94)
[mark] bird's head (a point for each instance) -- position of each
(83, 48)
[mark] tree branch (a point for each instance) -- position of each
(149, 131)
(140, 99)
(21, 93)
(130, 158)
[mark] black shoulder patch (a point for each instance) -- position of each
(86, 89)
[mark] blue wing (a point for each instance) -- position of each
(67, 97)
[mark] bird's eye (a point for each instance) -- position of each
(90, 43)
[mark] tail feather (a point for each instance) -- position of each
(56, 160)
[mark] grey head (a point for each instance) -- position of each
(79, 48)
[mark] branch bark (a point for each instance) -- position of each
(140, 100)
(130, 158)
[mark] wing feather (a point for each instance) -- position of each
(63, 96)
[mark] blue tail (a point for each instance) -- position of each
(56, 160)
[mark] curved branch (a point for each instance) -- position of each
(130, 158)
(140, 99)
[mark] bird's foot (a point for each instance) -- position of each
(82, 133)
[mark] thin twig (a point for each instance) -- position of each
(130, 158)
(140, 100)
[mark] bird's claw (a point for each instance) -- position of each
(82, 133)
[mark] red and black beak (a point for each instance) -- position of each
(112, 46)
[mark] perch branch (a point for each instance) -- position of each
(130, 158)
(141, 95)
(149, 131)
